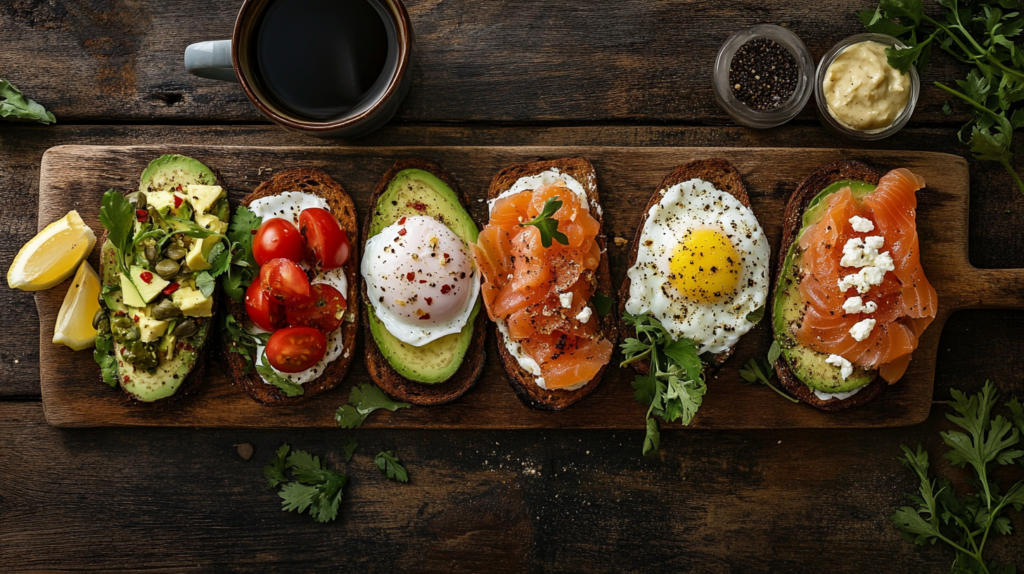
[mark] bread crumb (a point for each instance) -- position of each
(620, 241)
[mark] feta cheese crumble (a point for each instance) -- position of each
(860, 331)
(863, 280)
(845, 367)
(861, 225)
(857, 305)
(584, 315)
(565, 299)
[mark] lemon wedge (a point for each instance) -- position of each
(74, 321)
(53, 255)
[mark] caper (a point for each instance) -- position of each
(184, 269)
(151, 254)
(167, 268)
(140, 200)
(166, 309)
(99, 316)
(103, 327)
(186, 328)
(175, 251)
(101, 300)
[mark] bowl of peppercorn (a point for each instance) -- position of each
(763, 76)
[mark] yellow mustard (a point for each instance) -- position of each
(862, 90)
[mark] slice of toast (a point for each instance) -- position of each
(522, 382)
(808, 189)
(387, 378)
(316, 182)
(724, 177)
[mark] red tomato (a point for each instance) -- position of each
(264, 311)
(326, 242)
(285, 281)
(295, 349)
(277, 239)
(324, 310)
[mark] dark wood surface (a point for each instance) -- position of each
(501, 73)
(76, 176)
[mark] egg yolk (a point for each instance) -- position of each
(705, 266)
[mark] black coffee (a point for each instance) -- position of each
(319, 58)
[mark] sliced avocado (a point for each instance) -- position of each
(417, 192)
(192, 302)
(163, 380)
(129, 294)
(147, 283)
(202, 197)
(807, 364)
(169, 171)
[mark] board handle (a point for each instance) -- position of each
(991, 289)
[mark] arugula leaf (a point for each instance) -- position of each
(288, 388)
(602, 304)
(313, 486)
(103, 354)
(547, 224)
(390, 467)
(363, 400)
(206, 284)
(16, 106)
(349, 444)
(966, 524)
(117, 215)
(674, 387)
(756, 372)
(242, 342)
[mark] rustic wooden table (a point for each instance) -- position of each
(604, 72)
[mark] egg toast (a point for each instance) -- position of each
(523, 382)
(724, 177)
(318, 183)
(441, 370)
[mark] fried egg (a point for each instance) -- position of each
(701, 266)
(420, 280)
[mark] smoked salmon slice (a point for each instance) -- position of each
(906, 303)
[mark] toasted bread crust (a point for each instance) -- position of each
(521, 381)
(315, 181)
(387, 378)
(723, 176)
(810, 187)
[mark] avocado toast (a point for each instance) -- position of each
(418, 200)
(157, 298)
(286, 196)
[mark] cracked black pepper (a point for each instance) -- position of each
(763, 74)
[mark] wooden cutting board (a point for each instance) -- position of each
(75, 177)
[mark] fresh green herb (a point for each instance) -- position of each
(673, 389)
(14, 104)
(363, 400)
(288, 388)
(602, 304)
(756, 315)
(243, 342)
(964, 524)
(349, 444)
(103, 354)
(390, 467)
(312, 485)
(118, 217)
(547, 224)
(756, 372)
(206, 283)
(978, 34)
(243, 268)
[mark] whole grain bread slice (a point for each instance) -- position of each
(723, 176)
(387, 378)
(523, 382)
(316, 182)
(792, 221)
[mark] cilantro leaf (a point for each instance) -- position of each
(312, 485)
(756, 315)
(602, 304)
(274, 472)
(206, 284)
(761, 373)
(652, 440)
(390, 467)
(15, 105)
(242, 268)
(547, 224)
(243, 342)
(117, 215)
(288, 388)
(363, 400)
(349, 444)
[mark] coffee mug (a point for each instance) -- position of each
(327, 68)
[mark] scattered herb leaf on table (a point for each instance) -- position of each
(14, 105)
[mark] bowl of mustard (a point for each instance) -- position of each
(859, 94)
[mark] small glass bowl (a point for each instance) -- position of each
(830, 121)
(739, 111)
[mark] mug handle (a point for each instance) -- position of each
(211, 60)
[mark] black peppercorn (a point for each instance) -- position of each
(763, 74)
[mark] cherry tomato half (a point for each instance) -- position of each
(326, 242)
(277, 239)
(265, 312)
(285, 281)
(324, 310)
(295, 349)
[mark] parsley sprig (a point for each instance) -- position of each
(241, 268)
(965, 524)
(674, 386)
(389, 465)
(547, 224)
(363, 400)
(312, 486)
(980, 35)
(117, 215)
(761, 372)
